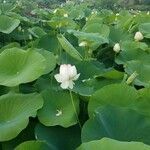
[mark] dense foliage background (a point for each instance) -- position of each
(109, 44)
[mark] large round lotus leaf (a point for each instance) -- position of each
(18, 66)
(96, 28)
(33, 145)
(7, 24)
(26, 135)
(58, 109)
(145, 29)
(15, 110)
(117, 35)
(49, 43)
(118, 123)
(95, 68)
(131, 51)
(114, 94)
(59, 138)
(10, 45)
(110, 144)
(142, 68)
(143, 102)
(50, 60)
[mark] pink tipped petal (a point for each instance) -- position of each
(76, 77)
(58, 78)
(65, 85)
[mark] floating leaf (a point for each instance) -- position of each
(118, 123)
(59, 138)
(131, 51)
(111, 144)
(15, 110)
(50, 60)
(34, 145)
(49, 43)
(19, 66)
(142, 68)
(145, 29)
(58, 109)
(114, 94)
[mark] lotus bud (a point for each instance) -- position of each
(66, 15)
(19, 28)
(55, 11)
(83, 44)
(132, 77)
(138, 36)
(117, 48)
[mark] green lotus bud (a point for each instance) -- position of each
(132, 77)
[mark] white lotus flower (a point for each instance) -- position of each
(117, 48)
(67, 74)
(138, 36)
